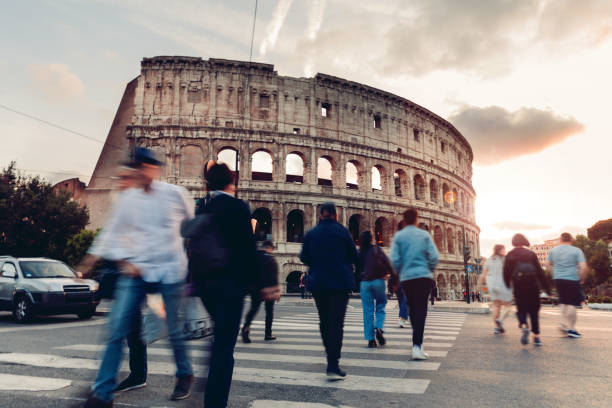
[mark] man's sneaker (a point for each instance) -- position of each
(403, 323)
(574, 334)
(182, 387)
(525, 336)
(380, 337)
(418, 353)
(129, 384)
(94, 402)
(497, 330)
(335, 374)
(245, 335)
(500, 326)
(372, 344)
(537, 342)
(270, 338)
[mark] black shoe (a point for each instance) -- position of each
(335, 374)
(94, 402)
(372, 344)
(129, 384)
(525, 336)
(270, 338)
(245, 335)
(182, 387)
(380, 337)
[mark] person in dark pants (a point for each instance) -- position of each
(330, 253)
(523, 272)
(434, 293)
(414, 256)
(222, 290)
(268, 271)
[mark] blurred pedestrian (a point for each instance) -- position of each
(142, 236)
(222, 264)
(434, 292)
(493, 276)
(374, 269)
(523, 272)
(302, 284)
(414, 255)
(269, 273)
(569, 269)
(404, 310)
(330, 253)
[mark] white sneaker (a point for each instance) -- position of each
(418, 353)
(403, 323)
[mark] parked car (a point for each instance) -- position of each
(42, 286)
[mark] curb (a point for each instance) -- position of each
(601, 306)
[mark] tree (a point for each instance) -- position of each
(77, 246)
(34, 220)
(601, 230)
(596, 254)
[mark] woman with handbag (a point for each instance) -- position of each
(374, 268)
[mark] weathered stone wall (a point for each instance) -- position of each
(189, 109)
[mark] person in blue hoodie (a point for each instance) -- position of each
(330, 253)
(414, 256)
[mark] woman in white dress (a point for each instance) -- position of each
(499, 292)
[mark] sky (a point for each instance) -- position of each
(526, 82)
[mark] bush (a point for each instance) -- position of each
(600, 299)
(77, 246)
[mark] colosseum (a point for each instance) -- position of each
(297, 143)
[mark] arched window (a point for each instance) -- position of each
(261, 166)
(354, 227)
(295, 226)
(460, 242)
(376, 179)
(419, 187)
(450, 241)
(433, 191)
(229, 156)
(455, 199)
(446, 195)
(294, 168)
(441, 281)
(352, 176)
(324, 171)
(400, 181)
(381, 232)
(453, 281)
(263, 228)
(293, 282)
(439, 238)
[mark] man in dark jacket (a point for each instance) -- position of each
(330, 253)
(268, 273)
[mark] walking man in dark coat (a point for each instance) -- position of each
(330, 253)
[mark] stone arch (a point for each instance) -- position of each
(453, 281)
(441, 281)
(293, 282)
(262, 165)
(294, 168)
(354, 175)
(191, 161)
(295, 226)
(446, 197)
(438, 236)
(378, 178)
(400, 182)
(382, 231)
(354, 226)
(229, 156)
(325, 171)
(263, 228)
(450, 241)
(455, 199)
(433, 191)
(419, 187)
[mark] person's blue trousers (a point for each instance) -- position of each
(373, 298)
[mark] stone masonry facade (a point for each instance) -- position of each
(189, 110)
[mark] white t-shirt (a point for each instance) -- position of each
(495, 276)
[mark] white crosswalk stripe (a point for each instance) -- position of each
(297, 358)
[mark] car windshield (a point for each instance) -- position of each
(45, 269)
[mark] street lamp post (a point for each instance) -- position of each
(466, 258)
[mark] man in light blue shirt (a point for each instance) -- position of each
(569, 270)
(414, 256)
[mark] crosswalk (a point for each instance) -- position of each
(296, 359)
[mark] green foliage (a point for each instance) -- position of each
(600, 299)
(596, 254)
(77, 246)
(601, 230)
(34, 220)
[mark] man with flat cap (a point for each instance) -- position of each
(142, 236)
(330, 253)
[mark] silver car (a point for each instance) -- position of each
(41, 286)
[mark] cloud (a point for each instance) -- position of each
(497, 134)
(56, 82)
(519, 226)
(275, 25)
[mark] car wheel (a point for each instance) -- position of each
(88, 314)
(22, 310)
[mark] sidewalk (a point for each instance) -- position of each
(460, 307)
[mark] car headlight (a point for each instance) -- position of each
(55, 287)
(94, 286)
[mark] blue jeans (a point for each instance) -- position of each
(404, 310)
(129, 295)
(373, 292)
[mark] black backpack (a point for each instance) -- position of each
(524, 272)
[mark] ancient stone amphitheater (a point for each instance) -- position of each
(299, 142)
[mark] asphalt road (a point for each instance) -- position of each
(469, 366)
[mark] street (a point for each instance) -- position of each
(52, 363)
